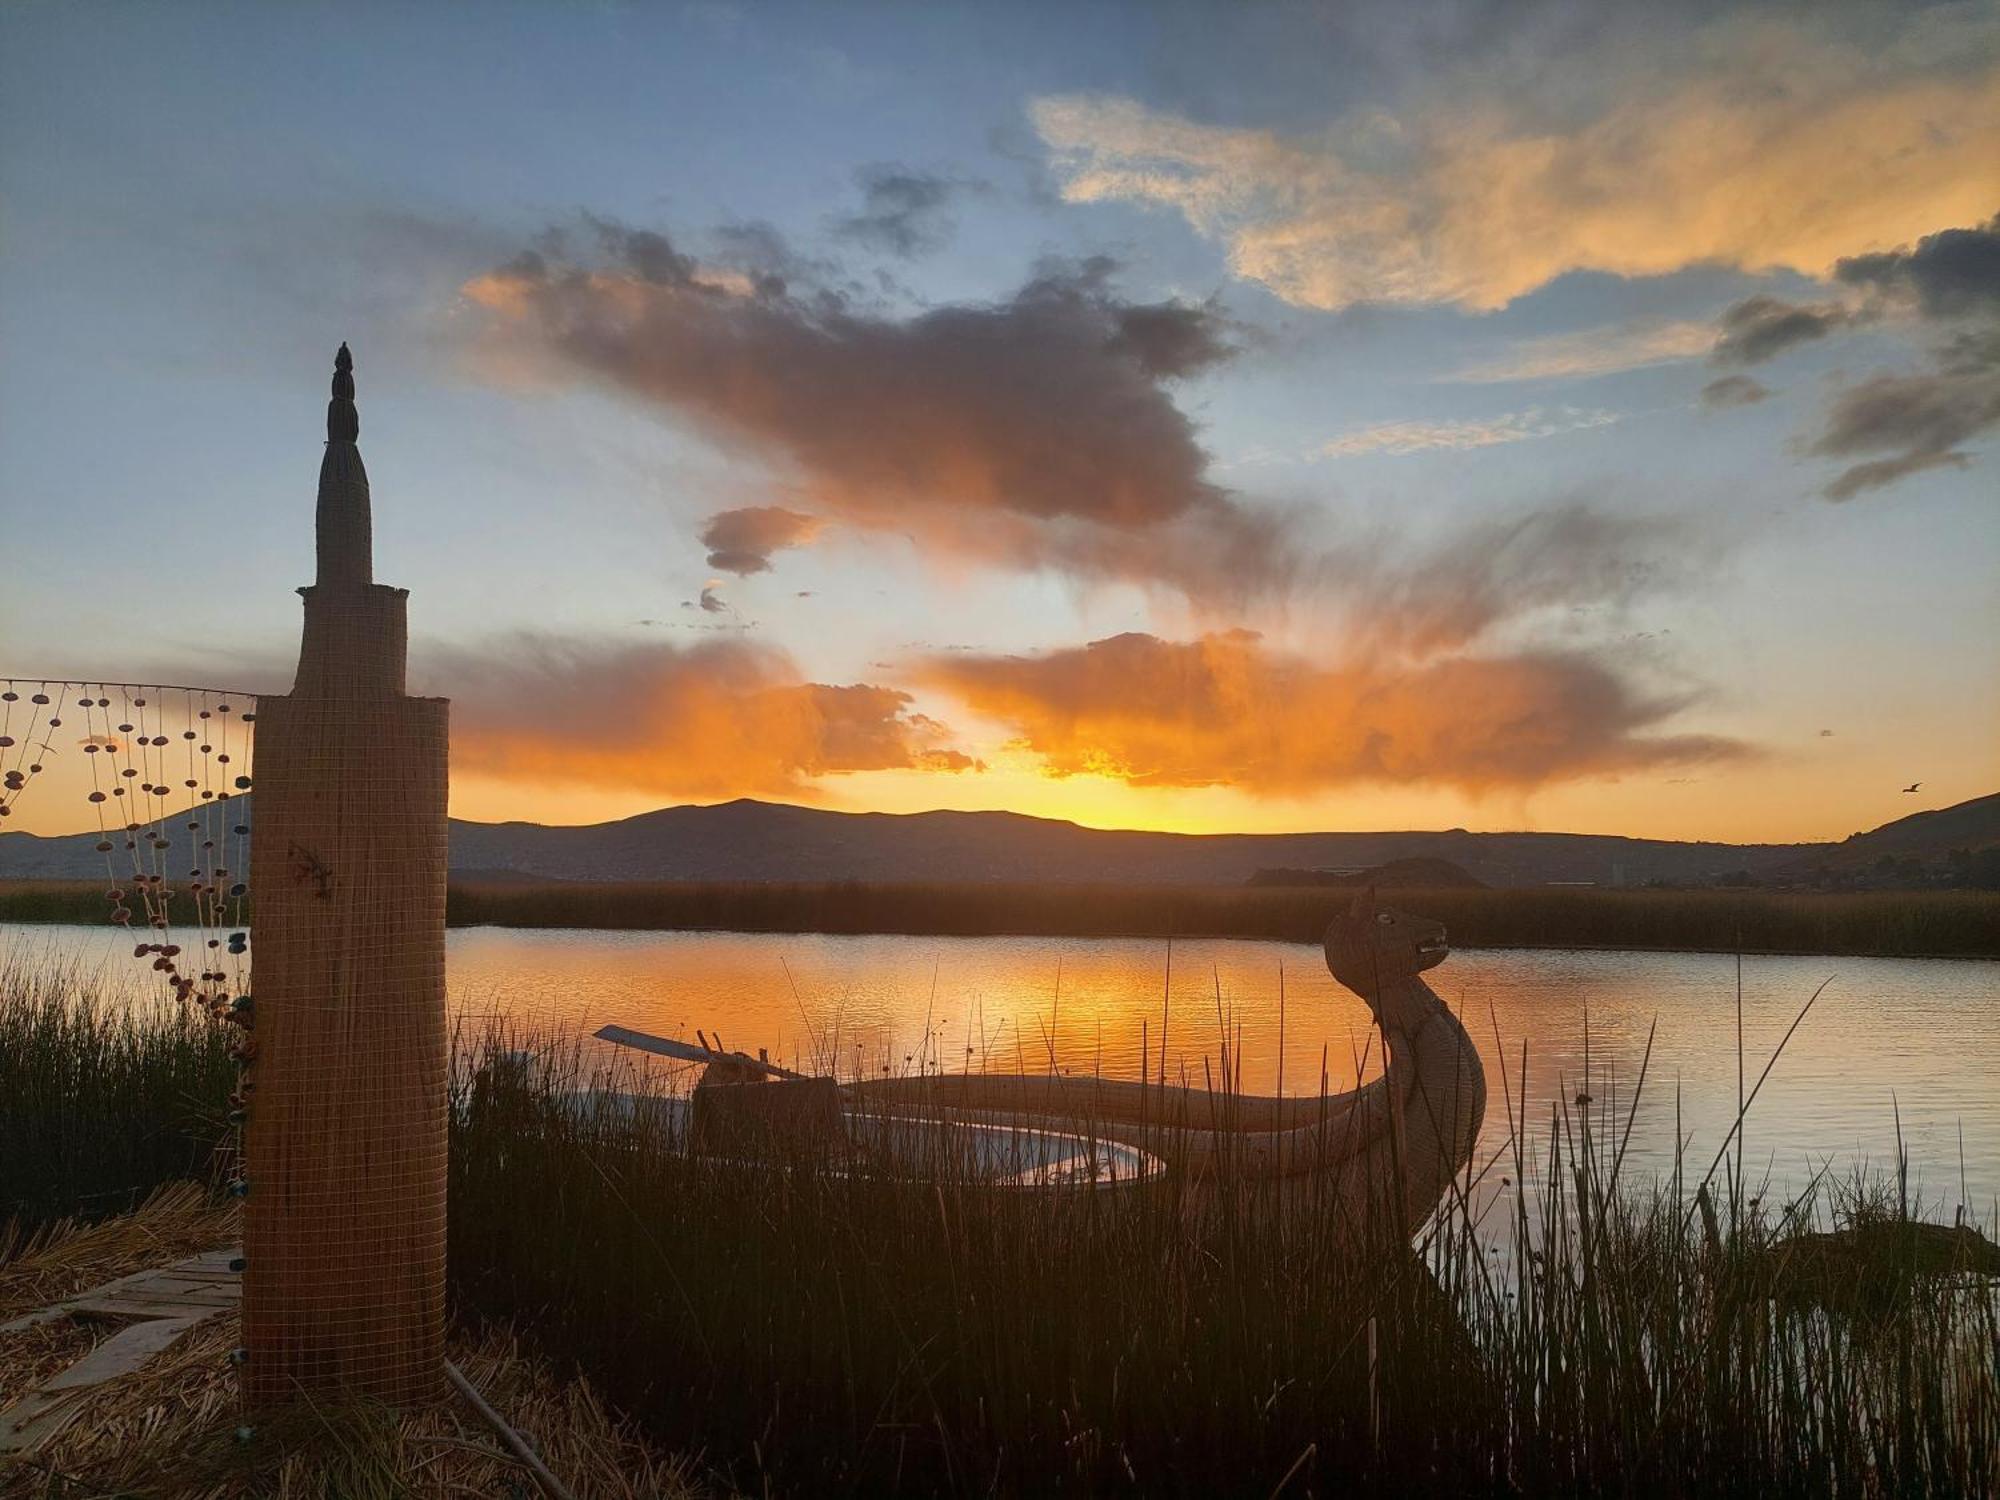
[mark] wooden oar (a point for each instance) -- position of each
(641, 1041)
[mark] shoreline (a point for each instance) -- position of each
(1935, 925)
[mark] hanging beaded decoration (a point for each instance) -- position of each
(162, 772)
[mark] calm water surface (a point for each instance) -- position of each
(1915, 1039)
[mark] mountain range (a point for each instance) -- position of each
(762, 841)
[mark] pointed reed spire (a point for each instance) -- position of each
(342, 525)
(343, 422)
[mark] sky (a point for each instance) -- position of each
(1562, 416)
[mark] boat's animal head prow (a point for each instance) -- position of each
(1371, 945)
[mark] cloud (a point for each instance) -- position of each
(1733, 390)
(903, 212)
(742, 541)
(1953, 273)
(1502, 570)
(711, 601)
(1760, 328)
(1949, 284)
(1035, 432)
(1919, 421)
(1395, 438)
(718, 719)
(1756, 143)
(1226, 710)
(1605, 350)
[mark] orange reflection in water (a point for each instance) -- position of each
(1919, 1035)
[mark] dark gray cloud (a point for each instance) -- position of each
(1954, 273)
(1918, 421)
(742, 541)
(1037, 431)
(1171, 339)
(1759, 328)
(1897, 424)
(1733, 390)
(904, 212)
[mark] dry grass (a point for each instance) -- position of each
(61, 1259)
(171, 1431)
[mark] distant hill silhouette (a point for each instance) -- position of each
(1926, 837)
(762, 841)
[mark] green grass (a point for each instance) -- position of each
(1937, 924)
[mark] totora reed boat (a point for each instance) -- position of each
(1389, 1149)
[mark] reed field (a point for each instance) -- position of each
(816, 1332)
(100, 1102)
(1888, 924)
(809, 1327)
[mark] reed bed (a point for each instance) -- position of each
(807, 1328)
(815, 1330)
(101, 1100)
(1908, 924)
(1890, 923)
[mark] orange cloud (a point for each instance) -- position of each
(719, 719)
(1763, 145)
(1226, 710)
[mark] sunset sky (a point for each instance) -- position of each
(1562, 416)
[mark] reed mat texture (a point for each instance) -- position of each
(170, 1431)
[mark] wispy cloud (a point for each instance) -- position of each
(1604, 350)
(1758, 143)
(904, 212)
(1733, 390)
(1396, 438)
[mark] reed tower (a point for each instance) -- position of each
(344, 1136)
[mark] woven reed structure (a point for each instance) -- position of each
(344, 1141)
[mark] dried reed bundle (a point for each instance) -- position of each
(43, 1266)
(170, 1430)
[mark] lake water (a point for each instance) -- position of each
(1915, 1038)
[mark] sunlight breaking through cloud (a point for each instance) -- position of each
(1226, 709)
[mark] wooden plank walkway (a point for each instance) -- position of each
(166, 1302)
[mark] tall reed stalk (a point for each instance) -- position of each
(818, 1330)
(100, 1100)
